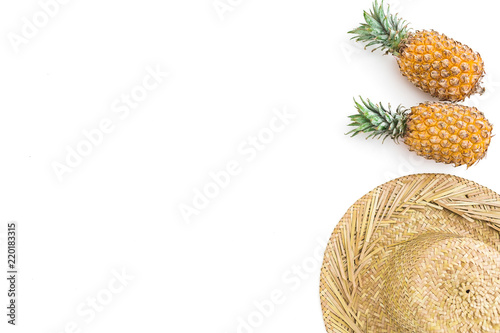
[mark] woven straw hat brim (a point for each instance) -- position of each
(419, 253)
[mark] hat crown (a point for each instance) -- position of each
(443, 282)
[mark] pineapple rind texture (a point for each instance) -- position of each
(448, 133)
(441, 66)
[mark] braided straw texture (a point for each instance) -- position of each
(418, 254)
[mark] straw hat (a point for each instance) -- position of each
(418, 254)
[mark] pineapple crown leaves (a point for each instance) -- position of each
(381, 28)
(378, 121)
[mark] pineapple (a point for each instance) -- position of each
(435, 63)
(442, 131)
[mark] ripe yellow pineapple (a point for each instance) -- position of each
(441, 131)
(433, 62)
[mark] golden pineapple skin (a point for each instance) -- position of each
(441, 66)
(448, 133)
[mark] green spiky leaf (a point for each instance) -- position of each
(378, 121)
(381, 29)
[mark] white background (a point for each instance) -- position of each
(119, 208)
